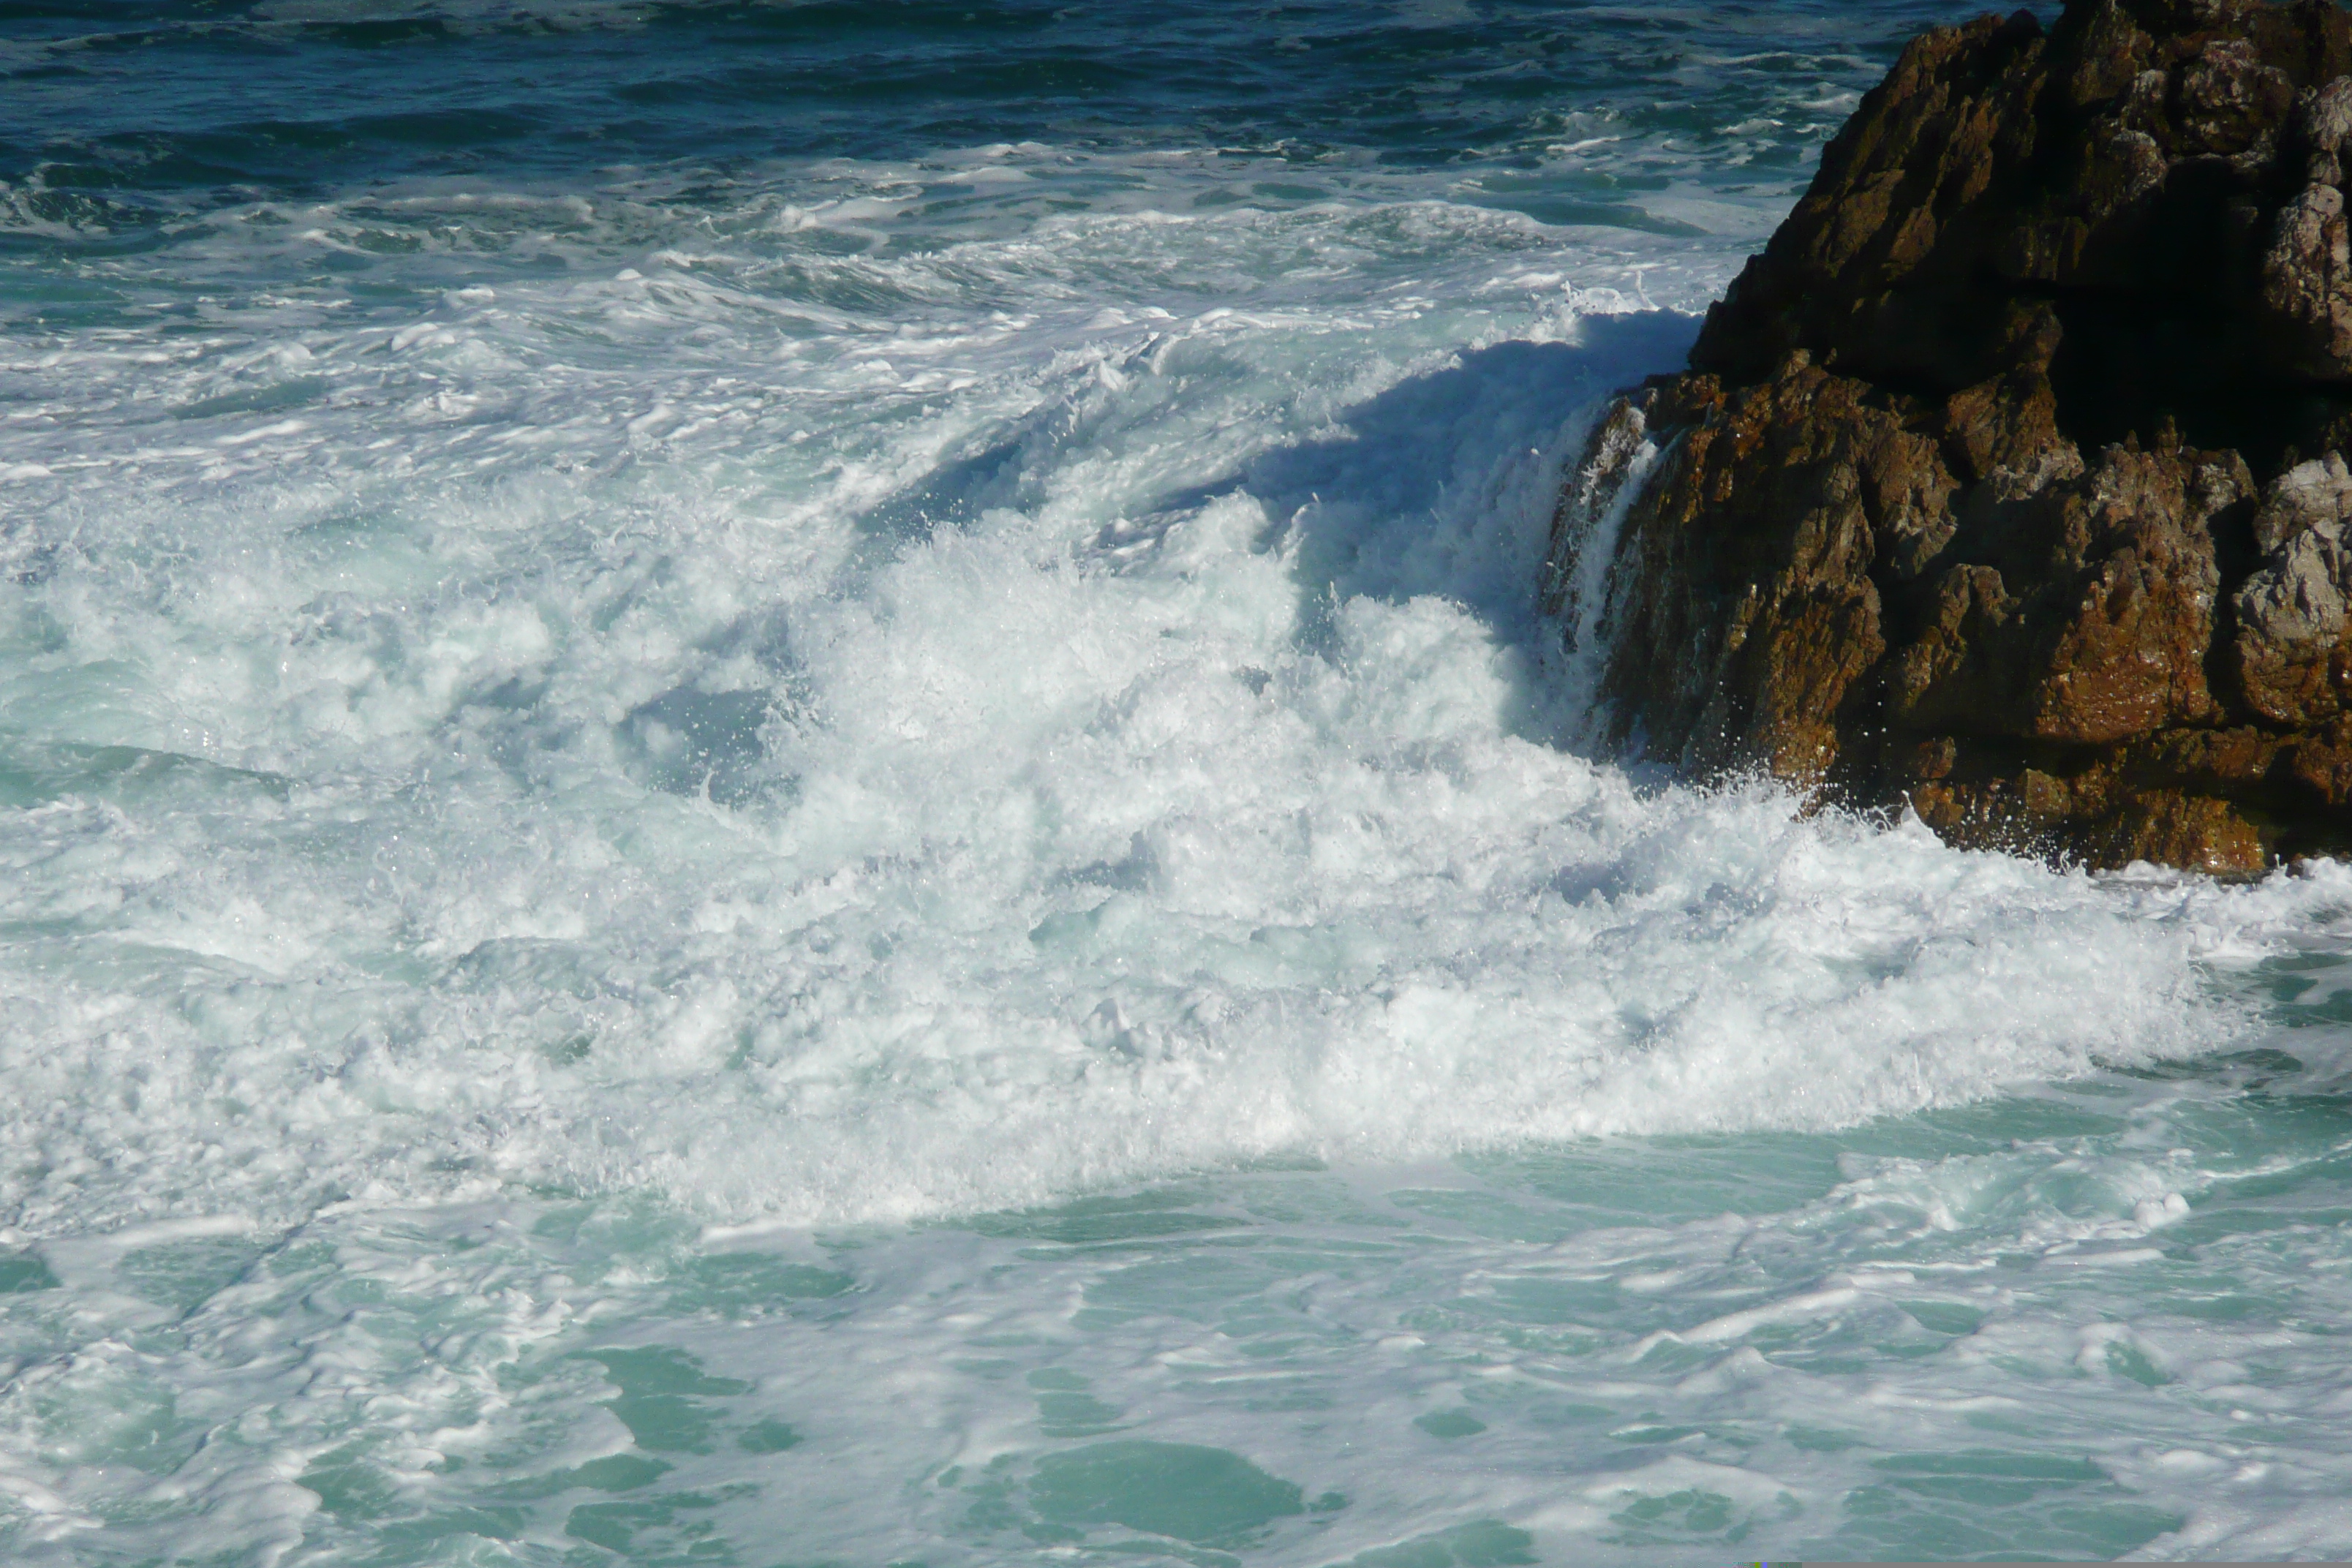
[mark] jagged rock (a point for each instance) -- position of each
(2293, 662)
(1985, 488)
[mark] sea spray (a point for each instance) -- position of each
(862, 853)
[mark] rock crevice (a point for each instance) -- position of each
(2011, 478)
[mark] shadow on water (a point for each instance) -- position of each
(1420, 494)
(1441, 486)
(1444, 485)
(953, 495)
(693, 740)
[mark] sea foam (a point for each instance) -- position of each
(880, 857)
(901, 771)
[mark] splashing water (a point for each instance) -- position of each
(784, 785)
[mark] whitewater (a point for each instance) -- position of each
(781, 785)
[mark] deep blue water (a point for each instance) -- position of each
(245, 100)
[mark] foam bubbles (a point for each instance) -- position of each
(1094, 740)
(648, 829)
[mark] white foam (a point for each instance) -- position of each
(1130, 731)
(754, 736)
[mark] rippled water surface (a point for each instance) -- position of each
(778, 787)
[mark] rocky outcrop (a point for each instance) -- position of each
(2011, 478)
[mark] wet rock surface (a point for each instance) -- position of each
(2011, 478)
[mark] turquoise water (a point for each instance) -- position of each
(779, 787)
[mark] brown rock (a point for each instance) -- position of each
(2209, 762)
(2322, 764)
(2124, 651)
(2307, 281)
(2293, 660)
(2171, 828)
(1964, 670)
(1983, 490)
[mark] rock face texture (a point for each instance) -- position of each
(2011, 478)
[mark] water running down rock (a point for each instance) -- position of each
(2009, 478)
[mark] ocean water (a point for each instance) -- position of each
(779, 785)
